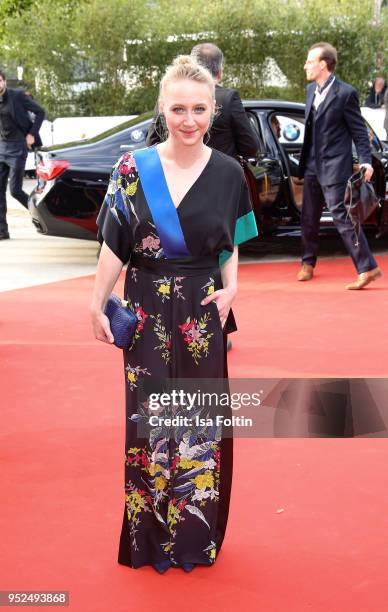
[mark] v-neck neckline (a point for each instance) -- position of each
(191, 186)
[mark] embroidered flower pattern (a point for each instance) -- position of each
(141, 317)
(134, 274)
(196, 336)
(136, 501)
(137, 457)
(133, 374)
(178, 484)
(149, 243)
(211, 550)
(164, 338)
(122, 187)
(178, 287)
(163, 287)
(209, 287)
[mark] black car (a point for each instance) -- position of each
(73, 178)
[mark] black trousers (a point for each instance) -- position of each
(315, 196)
(13, 157)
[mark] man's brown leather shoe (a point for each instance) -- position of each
(305, 273)
(365, 278)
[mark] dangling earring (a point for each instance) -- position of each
(206, 138)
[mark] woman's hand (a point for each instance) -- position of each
(223, 299)
(30, 139)
(108, 270)
(101, 327)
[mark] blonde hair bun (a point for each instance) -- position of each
(184, 60)
(187, 67)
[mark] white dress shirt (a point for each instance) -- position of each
(320, 97)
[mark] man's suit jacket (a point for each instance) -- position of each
(338, 122)
(386, 111)
(20, 104)
(231, 132)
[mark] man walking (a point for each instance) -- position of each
(18, 133)
(231, 132)
(333, 121)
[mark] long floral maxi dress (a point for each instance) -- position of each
(177, 488)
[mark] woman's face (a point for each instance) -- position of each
(187, 106)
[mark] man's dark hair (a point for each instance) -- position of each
(2, 75)
(209, 56)
(328, 54)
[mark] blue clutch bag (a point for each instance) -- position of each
(123, 321)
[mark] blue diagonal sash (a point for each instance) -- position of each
(158, 197)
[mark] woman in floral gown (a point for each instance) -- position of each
(177, 480)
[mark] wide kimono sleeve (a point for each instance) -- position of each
(117, 216)
(245, 224)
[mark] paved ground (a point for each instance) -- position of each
(31, 259)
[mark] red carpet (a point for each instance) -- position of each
(62, 446)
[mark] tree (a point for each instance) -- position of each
(11, 8)
(107, 56)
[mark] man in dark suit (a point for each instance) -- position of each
(375, 98)
(333, 121)
(18, 134)
(231, 131)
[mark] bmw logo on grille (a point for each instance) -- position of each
(137, 135)
(291, 132)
